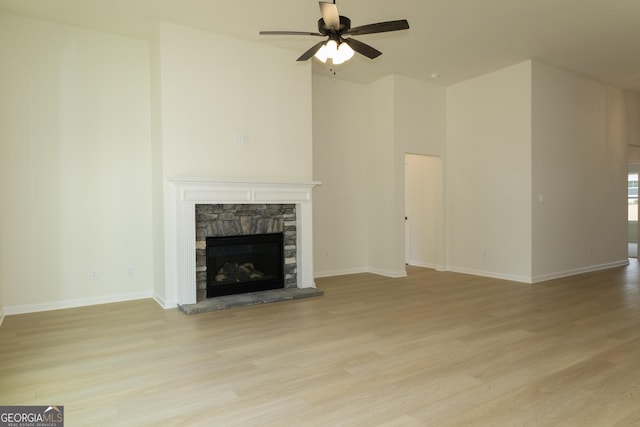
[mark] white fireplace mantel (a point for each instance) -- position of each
(191, 191)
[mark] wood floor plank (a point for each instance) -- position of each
(430, 349)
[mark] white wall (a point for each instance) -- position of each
(408, 117)
(385, 246)
(157, 172)
(420, 128)
(213, 87)
(85, 172)
(420, 117)
(488, 174)
(580, 168)
(340, 135)
(75, 170)
(361, 134)
(632, 107)
(92, 126)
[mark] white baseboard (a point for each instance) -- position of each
(423, 264)
(80, 302)
(386, 273)
(166, 304)
(389, 273)
(491, 274)
(343, 272)
(542, 277)
(582, 270)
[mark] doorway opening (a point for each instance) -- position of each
(424, 228)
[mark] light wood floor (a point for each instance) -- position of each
(433, 349)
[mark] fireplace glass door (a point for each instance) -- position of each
(246, 263)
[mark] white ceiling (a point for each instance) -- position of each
(457, 39)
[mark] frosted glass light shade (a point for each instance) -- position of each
(322, 54)
(332, 48)
(337, 54)
(344, 54)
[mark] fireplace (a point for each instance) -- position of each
(182, 269)
(245, 263)
(246, 229)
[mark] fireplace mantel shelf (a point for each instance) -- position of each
(203, 190)
(235, 182)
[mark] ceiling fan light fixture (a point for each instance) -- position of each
(322, 54)
(343, 54)
(337, 54)
(328, 51)
(332, 48)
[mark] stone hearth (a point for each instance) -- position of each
(253, 298)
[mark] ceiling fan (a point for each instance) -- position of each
(334, 26)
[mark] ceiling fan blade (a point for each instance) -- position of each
(330, 15)
(288, 33)
(309, 53)
(380, 27)
(363, 48)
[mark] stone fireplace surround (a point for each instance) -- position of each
(192, 191)
(245, 220)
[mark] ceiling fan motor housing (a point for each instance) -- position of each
(345, 24)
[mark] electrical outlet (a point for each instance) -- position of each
(94, 274)
(131, 270)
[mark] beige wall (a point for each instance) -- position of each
(579, 175)
(632, 107)
(75, 170)
(157, 170)
(84, 168)
(212, 88)
(420, 128)
(340, 134)
(488, 174)
(382, 242)
(536, 167)
(92, 125)
(359, 153)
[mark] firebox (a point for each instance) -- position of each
(245, 263)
